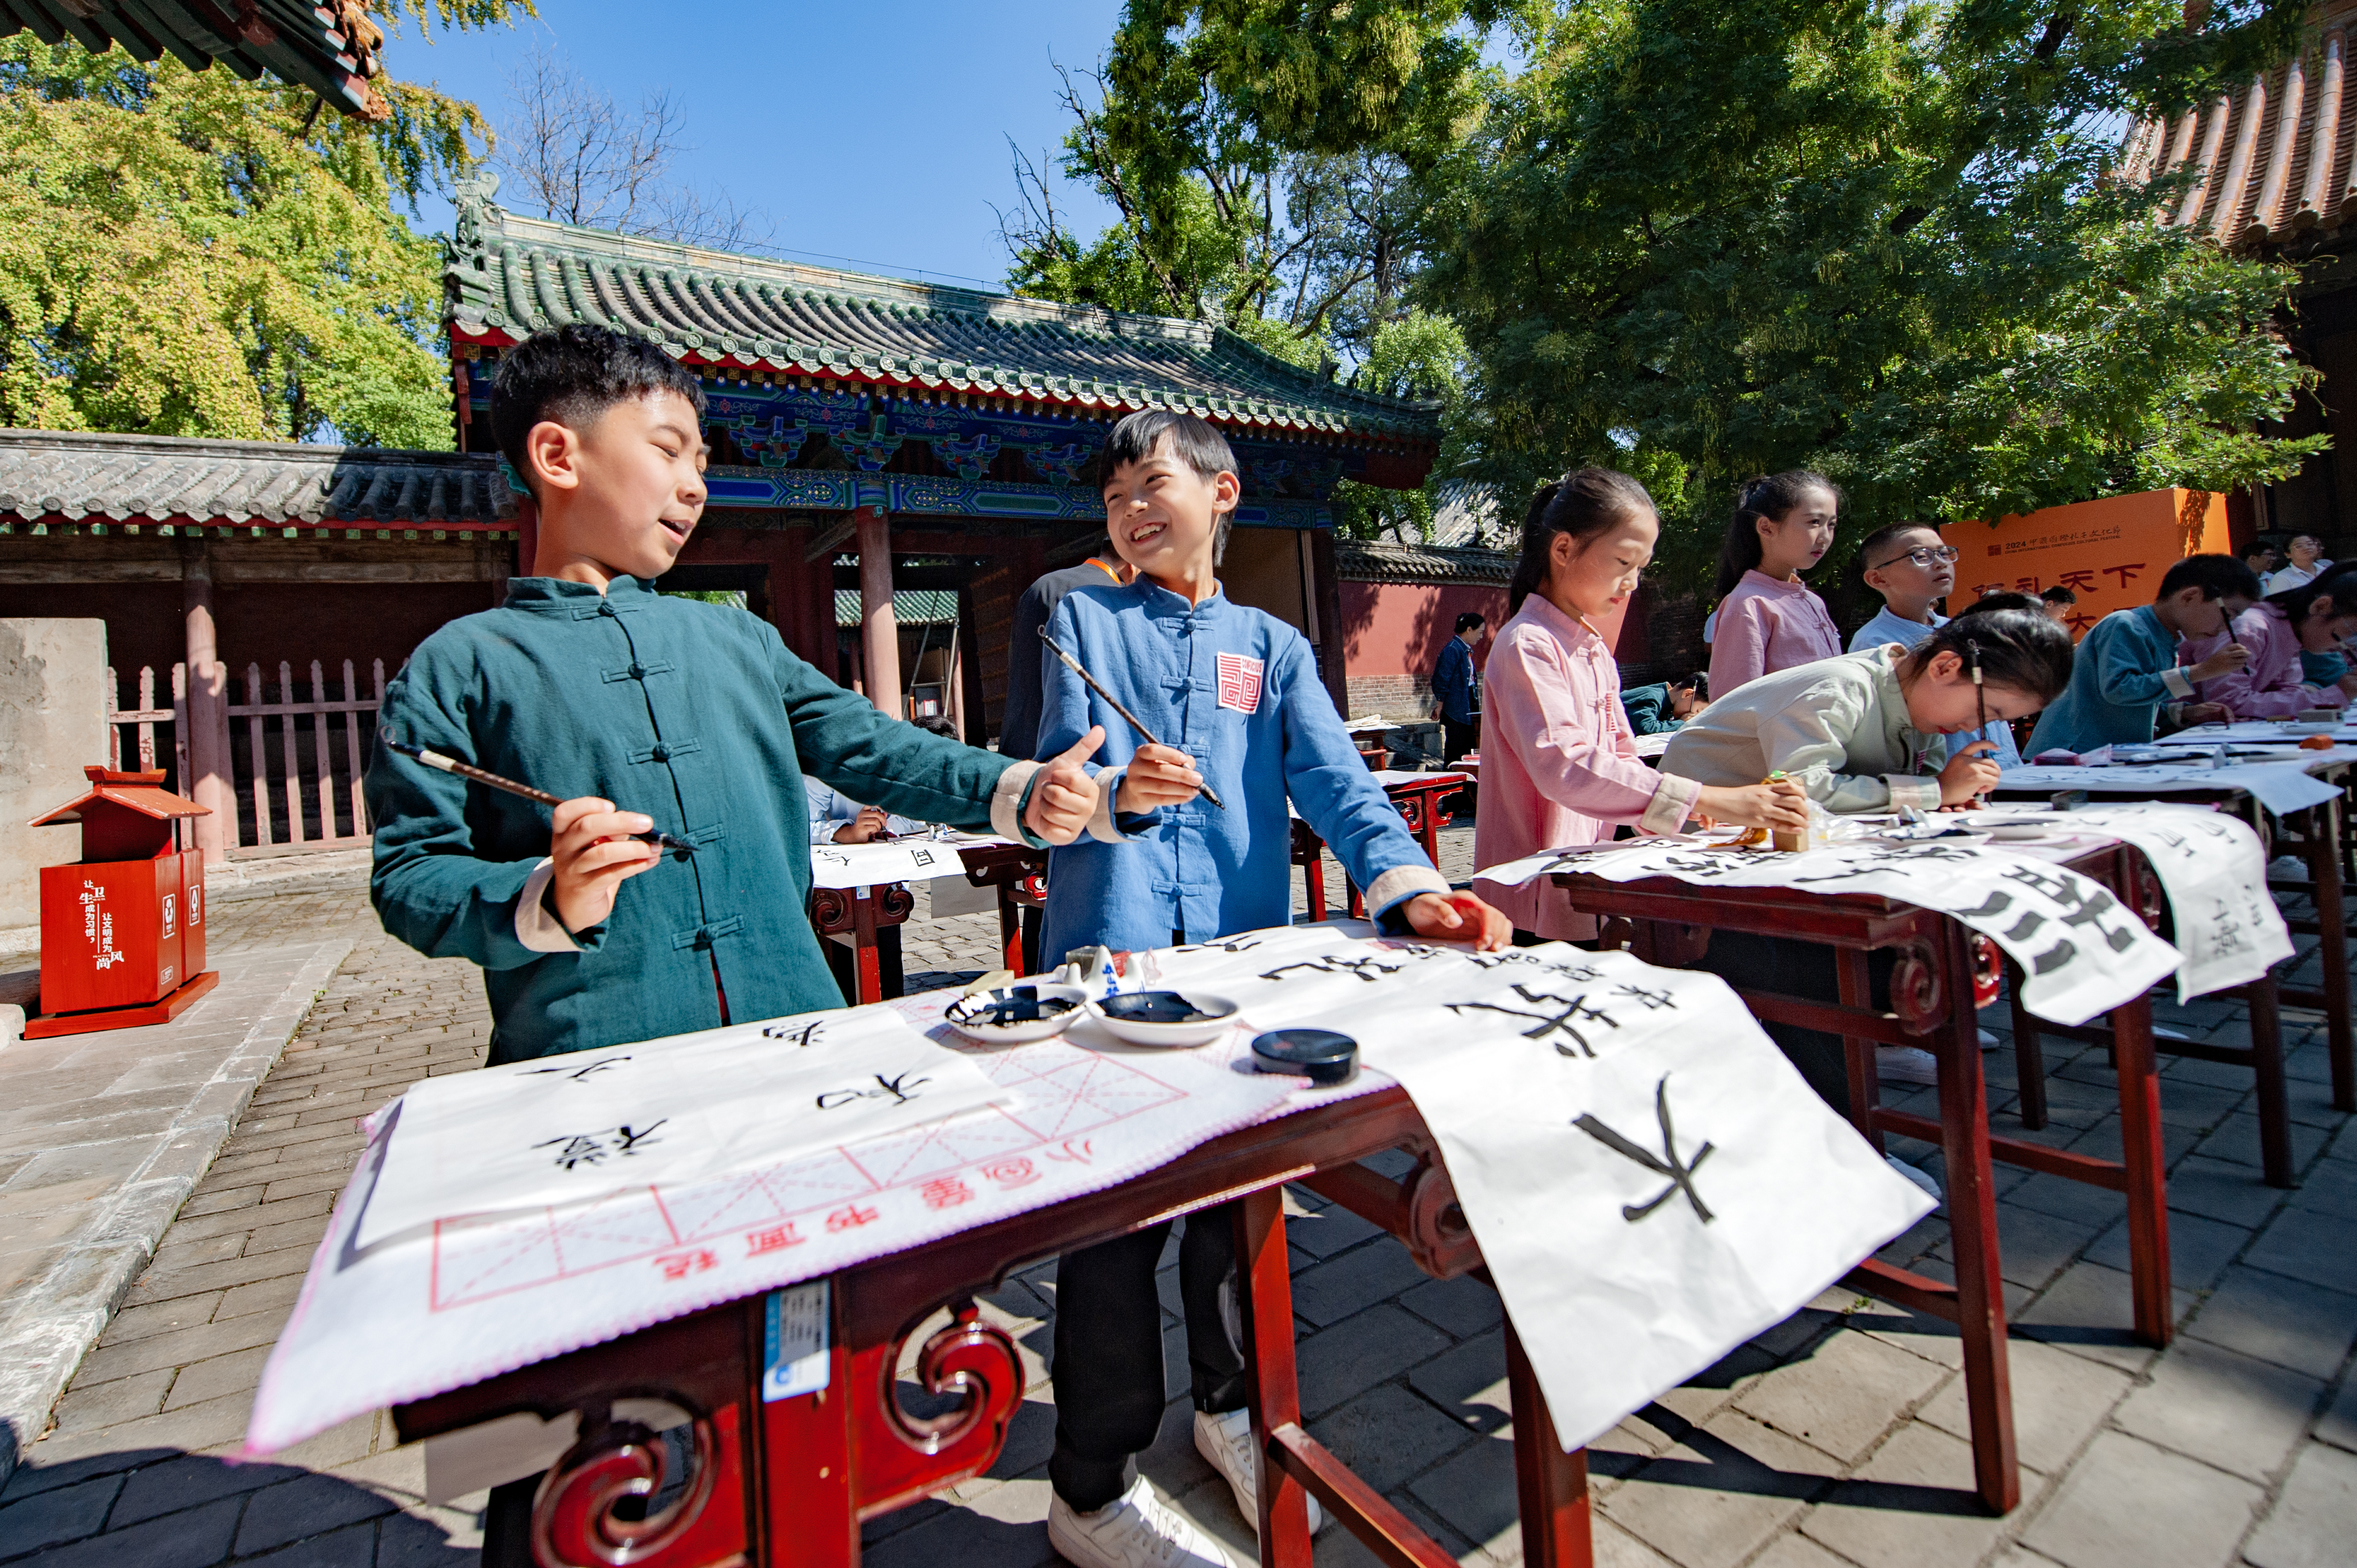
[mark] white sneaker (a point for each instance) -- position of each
(1905, 1064)
(1919, 1177)
(1137, 1529)
(1226, 1442)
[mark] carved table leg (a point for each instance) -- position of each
(1854, 985)
(863, 918)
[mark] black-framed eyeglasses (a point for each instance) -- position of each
(1925, 557)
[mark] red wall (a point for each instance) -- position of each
(1397, 629)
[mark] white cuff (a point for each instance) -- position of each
(1400, 882)
(535, 928)
(1671, 804)
(1908, 789)
(1101, 826)
(1007, 801)
(2179, 685)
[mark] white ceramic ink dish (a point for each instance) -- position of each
(972, 1015)
(1128, 1016)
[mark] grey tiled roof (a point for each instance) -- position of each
(50, 474)
(328, 47)
(910, 607)
(1359, 561)
(510, 275)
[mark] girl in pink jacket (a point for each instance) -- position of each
(1559, 766)
(1766, 618)
(2317, 617)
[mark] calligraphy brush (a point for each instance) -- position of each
(1098, 687)
(1980, 701)
(466, 770)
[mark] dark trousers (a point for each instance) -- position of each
(1805, 970)
(844, 962)
(1457, 739)
(1031, 918)
(1108, 1371)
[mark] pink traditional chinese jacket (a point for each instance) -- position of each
(1559, 764)
(1765, 626)
(2270, 686)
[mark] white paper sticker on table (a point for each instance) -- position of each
(794, 1344)
(873, 865)
(1651, 1182)
(2215, 874)
(569, 1130)
(2081, 950)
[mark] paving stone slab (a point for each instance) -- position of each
(1912, 1502)
(2228, 1409)
(2058, 1400)
(2288, 1322)
(1717, 1494)
(2314, 1521)
(2130, 1505)
(1843, 1395)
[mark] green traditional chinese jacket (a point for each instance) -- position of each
(698, 717)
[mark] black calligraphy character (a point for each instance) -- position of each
(805, 1035)
(579, 1149)
(1573, 1007)
(1370, 970)
(2053, 958)
(1988, 909)
(2084, 904)
(2045, 881)
(578, 1075)
(1654, 1001)
(1232, 946)
(630, 1141)
(900, 1090)
(921, 856)
(1681, 1174)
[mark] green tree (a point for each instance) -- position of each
(187, 253)
(1699, 240)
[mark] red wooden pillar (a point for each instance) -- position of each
(880, 632)
(208, 710)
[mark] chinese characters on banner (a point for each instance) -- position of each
(2111, 553)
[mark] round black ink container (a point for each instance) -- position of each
(1321, 1056)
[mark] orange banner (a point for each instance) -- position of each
(2111, 553)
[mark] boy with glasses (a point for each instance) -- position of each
(1912, 568)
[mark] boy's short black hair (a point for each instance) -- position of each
(2218, 577)
(2005, 599)
(2058, 595)
(939, 724)
(1193, 441)
(573, 374)
(1871, 549)
(1469, 620)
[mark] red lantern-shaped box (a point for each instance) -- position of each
(122, 930)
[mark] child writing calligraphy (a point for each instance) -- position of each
(1236, 694)
(588, 683)
(2279, 631)
(1866, 732)
(2127, 669)
(1559, 766)
(1766, 618)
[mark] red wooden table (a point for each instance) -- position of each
(1017, 872)
(1418, 797)
(789, 1481)
(1931, 993)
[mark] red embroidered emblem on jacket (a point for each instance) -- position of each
(1240, 683)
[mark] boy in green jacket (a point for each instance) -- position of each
(698, 722)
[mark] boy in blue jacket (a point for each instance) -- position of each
(1236, 694)
(2126, 670)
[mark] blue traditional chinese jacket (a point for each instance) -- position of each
(2125, 669)
(1238, 691)
(1454, 682)
(694, 716)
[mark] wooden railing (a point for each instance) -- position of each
(315, 807)
(131, 732)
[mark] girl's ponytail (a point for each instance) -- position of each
(2018, 649)
(1763, 497)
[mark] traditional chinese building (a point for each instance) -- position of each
(327, 46)
(873, 433)
(2277, 176)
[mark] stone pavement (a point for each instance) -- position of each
(1836, 1437)
(103, 1137)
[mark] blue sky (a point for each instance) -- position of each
(873, 133)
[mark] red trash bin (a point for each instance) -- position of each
(123, 928)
